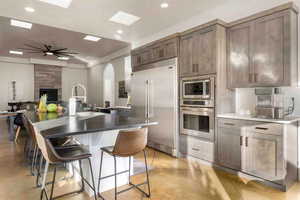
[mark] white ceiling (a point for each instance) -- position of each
(92, 16)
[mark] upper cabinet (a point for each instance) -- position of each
(154, 52)
(198, 52)
(262, 51)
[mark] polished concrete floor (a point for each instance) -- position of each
(171, 179)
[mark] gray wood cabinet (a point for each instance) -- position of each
(198, 52)
(239, 69)
(264, 150)
(197, 148)
(186, 58)
(263, 156)
(229, 146)
(154, 52)
(261, 52)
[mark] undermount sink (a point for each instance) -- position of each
(87, 114)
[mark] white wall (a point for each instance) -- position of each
(95, 85)
(23, 74)
(70, 77)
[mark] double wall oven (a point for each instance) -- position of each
(197, 107)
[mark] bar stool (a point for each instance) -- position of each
(63, 155)
(128, 144)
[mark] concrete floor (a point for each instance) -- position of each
(171, 179)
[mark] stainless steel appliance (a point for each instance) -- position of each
(198, 122)
(198, 91)
(154, 94)
(269, 103)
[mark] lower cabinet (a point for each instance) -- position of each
(229, 147)
(263, 156)
(252, 147)
(197, 148)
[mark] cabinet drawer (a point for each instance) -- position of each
(197, 148)
(266, 128)
(231, 123)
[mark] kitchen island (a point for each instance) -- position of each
(92, 130)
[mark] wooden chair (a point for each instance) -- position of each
(128, 144)
(63, 155)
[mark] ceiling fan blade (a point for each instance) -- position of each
(47, 47)
(56, 50)
(69, 52)
(28, 45)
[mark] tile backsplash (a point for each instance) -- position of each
(246, 100)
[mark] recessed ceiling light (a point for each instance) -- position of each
(124, 18)
(29, 9)
(92, 38)
(120, 31)
(16, 52)
(63, 58)
(164, 5)
(20, 24)
(60, 3)
(49, 53)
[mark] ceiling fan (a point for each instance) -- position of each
(48, 50)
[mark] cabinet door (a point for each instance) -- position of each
(271, 49)
(229, 147)
(171, 48)
(263, 156)
(145, 56)
(204, 52)
(157, 52)
(239, 50)
(186, 61)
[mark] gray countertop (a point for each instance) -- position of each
(64, 125)
(286, 120)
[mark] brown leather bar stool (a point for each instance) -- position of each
(56, 156)
(128, 144)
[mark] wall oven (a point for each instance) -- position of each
(198, 91)
(198, 122)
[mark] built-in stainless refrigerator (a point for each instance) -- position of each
(154, 96)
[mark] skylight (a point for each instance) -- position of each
(92, 38)
(124, 18)
(20, 24)
(60, 3)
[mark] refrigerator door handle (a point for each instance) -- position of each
(146, 100)
(151, 99)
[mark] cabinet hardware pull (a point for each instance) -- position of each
(246, 141)
(195, 149)
(255, 77)
(250, 78)
(261, 128)
(229, 124)
(241, 140)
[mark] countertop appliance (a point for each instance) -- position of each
(154, 96)
(269, 103)
(198, 91)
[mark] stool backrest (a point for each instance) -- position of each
(29, 128)
(45, 146)
(130, 142)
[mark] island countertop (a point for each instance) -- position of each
(79, 126)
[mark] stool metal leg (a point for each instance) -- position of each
(129, 169)
(81, 174)
(53, 182)
(93, 181)
(147, 173)
(115, 168)
(99, 179)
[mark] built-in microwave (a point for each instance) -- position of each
(198, 122)
(198, 91)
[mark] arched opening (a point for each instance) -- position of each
(109, 84)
